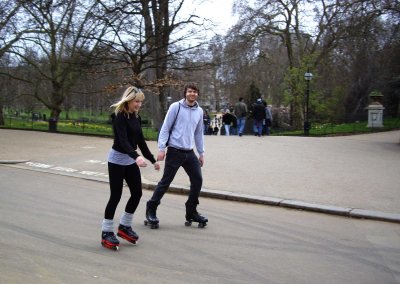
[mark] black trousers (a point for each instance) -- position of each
(191, 164)
(117, 174)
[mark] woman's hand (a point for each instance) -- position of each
(141, 162)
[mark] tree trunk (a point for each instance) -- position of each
(297, 115)
(1, 113)
(55, 109)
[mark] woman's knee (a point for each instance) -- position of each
(115, 198)
(138, 194)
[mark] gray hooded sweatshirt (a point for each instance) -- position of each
(188, 129)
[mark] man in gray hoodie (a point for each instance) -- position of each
(181, 131)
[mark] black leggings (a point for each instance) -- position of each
(117, 174)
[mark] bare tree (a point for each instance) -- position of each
(65, 34)
(306, 45)
(146, 42)
(10, 33)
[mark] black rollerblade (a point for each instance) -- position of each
(127, 233)
(194, 216)
(151, 217)
(109, 240)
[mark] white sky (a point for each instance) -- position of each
(219, 11)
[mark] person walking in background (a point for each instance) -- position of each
(181, 131)
(123, 164)
(240, 111)
(233, 129)
(216, 124)
(228, 120)
(259, 117)
(268, 119)
(206, 121)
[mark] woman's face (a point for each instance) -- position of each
(134, 105)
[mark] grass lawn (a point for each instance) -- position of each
(105, 129)
(69, 126)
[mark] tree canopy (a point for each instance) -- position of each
(62, 52)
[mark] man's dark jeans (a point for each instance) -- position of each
(174, 160)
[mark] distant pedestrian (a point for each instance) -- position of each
(215, 130)
(268, 119)
(210, 130)
(240, 111)
(259, 117)
(228, 120)
(123, 164)
(206, 121)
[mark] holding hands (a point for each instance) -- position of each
(141, 162)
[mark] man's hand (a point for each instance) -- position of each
(201, 160)
(156, 166)
(161, 156)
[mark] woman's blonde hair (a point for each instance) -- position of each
(131, 93)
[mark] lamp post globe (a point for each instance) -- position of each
(169, 100)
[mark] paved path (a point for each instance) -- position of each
(351, 175)
(50, 233)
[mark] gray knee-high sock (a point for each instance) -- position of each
(126, 219)
(107, 225)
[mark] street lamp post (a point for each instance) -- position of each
(307, 77)
(169, 100)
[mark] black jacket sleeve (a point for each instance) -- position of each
(145, 149)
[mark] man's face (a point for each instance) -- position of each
(191, 95)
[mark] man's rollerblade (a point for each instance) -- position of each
(194, 216)
(109, 240)
(151, 217)
(127, 233)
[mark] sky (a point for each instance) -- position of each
(219, 11)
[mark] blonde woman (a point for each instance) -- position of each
(123, 164)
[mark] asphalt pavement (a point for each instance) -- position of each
(53, 190)
(353, 176)
(51, 224)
